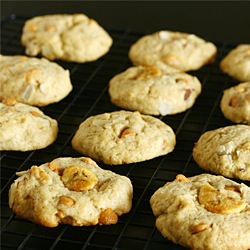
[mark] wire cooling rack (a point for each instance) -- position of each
(135, 230)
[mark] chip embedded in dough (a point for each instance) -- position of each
(235, 103)
(204, 212)
(71, 191)
(123, 137)
(33, 81)
(176, 50)
(25, 127)
(151, 91)
(225, 151)
(237, 63)
(69, 37)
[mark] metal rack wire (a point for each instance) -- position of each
(136, 229)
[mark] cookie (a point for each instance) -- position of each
(33, 81)
(151, 91)
(69, 37)
(178, 50)
(25, 128)
(71, 191)
(204, 212)
(123, 137)
(235, 103)
(237, 63)
(225, 151)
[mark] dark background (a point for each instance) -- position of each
(214, 20)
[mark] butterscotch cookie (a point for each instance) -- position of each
(71, 191)
(33, 81)
(172, 49)
(235, 103)
(75, 37)
(24, 128)
(225, 151)
(123, 137)
(237, 63)
(204, 212)
(149, 90)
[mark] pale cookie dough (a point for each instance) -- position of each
(74, 38)
(71, 191)
(172, 49)
(33, 81)
(24, 128)
(151, 91)
(123, 137)
(204, 212)
(237, 63)
(235, 103)
(225, 151)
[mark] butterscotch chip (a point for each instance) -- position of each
(71, 194)
(24, 127)
(181, 178)
(225, 151)
(108, 217)
(78, 179)
(33, 81)
(69, 37)
(237, 63)
(235, 103)
(151, 91)
(123, 137)
(214, 216)
(171, 51)
(219, 202)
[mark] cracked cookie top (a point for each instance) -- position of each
(204, 212)
(71, 191)
(123, 137)
(74, 38)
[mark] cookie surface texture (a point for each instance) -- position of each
(71, 191)
(25, 128)
(237, 63)
(235, 103)
(151, 91)
(74, 38)
(33, 81)
(204, 212)
(225, 151)
(123, 137)
(178, 50)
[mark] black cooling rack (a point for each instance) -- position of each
(136, 229)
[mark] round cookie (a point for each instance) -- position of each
(204, 212)
(235, 103)
(71, 191)
(178, 50)
(237, 63)
(25, 128)
(225, 151)
(151, 91)
(33, 81)
(123, 137)
(69, 37)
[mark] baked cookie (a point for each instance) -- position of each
(25, 128)
(33, 81)
(225, 151)
(123, 137)
(237, 63)
(71, 191)
(235, 103)
(69, 37)
(175, 49)
(151, 91)
(204, 212)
